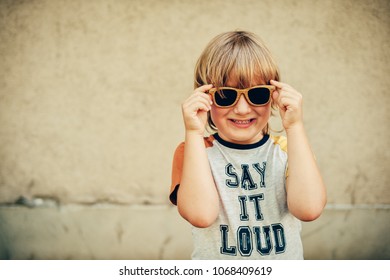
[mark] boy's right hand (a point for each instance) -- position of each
(195, 110)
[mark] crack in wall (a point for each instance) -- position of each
(54, 202)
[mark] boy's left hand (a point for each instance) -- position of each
(289, 102)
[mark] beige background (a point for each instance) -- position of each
(90, 95)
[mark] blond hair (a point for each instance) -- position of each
(238, 52)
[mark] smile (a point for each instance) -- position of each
(242, 123)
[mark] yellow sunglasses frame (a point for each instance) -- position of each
(239, 93)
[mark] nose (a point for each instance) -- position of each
(242, 107)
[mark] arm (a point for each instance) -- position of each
(306, 192)
(197, 197)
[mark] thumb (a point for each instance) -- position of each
(275, 97)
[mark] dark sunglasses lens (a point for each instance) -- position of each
(225, 97)
(259, 96)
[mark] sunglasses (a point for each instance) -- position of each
(228, 97)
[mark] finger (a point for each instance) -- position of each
(198, 95)
(204, 88)
(276, 83)
(202, 104)
(197, 108)
(275, 97)
(198, 101)
(291, 95)
(202, 91)
(280, 85)
(279, 97)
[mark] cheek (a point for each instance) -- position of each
(218, 114)
(264, 111)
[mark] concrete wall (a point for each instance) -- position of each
(90, 95)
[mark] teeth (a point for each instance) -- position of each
(242, 122)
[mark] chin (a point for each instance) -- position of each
(246, 138)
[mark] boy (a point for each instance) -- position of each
(243, 190)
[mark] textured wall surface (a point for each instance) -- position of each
(90, 95)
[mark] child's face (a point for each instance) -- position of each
(243, 123)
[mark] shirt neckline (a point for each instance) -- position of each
(241, 146)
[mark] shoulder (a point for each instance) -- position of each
(280, 140)
(208, 141)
